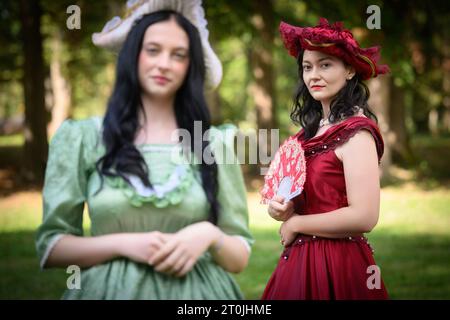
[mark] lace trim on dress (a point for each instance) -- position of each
(162, 189)
(163, 194)
(341, 137)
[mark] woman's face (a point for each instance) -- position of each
(164, 59)
(324, 75)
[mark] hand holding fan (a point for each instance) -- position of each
(287, 172)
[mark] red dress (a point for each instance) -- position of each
(322, 268)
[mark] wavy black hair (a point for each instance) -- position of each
(121, 123)
(307, 112)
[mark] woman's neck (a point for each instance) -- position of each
(159, 121)
(325, 109)
(158, 110)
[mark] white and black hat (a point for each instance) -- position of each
(116, 30)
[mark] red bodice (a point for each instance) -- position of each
(323, 268)
(324, 188)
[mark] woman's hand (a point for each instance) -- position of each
(180, 253)
(279, 210)
(287, 232)
(141, 247)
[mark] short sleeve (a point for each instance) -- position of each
(232, 194)
(362, 123)
(64, 191)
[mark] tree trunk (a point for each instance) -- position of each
(262, 63)
(433, 122)
(262, 87)
(36, 146)
(401, 148)
(446, 120)
(446, 100)
(60, 88)
(379, 102)
(213, 99)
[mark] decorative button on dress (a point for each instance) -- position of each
(322, 268)
(176, 200)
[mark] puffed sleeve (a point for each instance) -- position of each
(232, 195)
(64, 191)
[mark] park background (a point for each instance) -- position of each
(49, 73)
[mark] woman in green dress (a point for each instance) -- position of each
(165, 224)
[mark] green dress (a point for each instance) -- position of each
(176, 201)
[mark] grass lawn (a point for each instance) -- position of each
(411, 241)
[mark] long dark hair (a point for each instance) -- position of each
(120, 123)
(307, 112)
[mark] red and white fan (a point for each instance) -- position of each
(287, 172)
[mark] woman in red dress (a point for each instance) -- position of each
(326, 255)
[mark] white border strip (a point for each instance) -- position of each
(50, 246)
(247, 246)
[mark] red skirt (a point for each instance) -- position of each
(315, 268)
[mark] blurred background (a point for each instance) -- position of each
(49, 73)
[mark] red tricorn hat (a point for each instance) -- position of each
(336, 41)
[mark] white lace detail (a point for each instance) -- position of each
(159, 190)
(163, 148)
